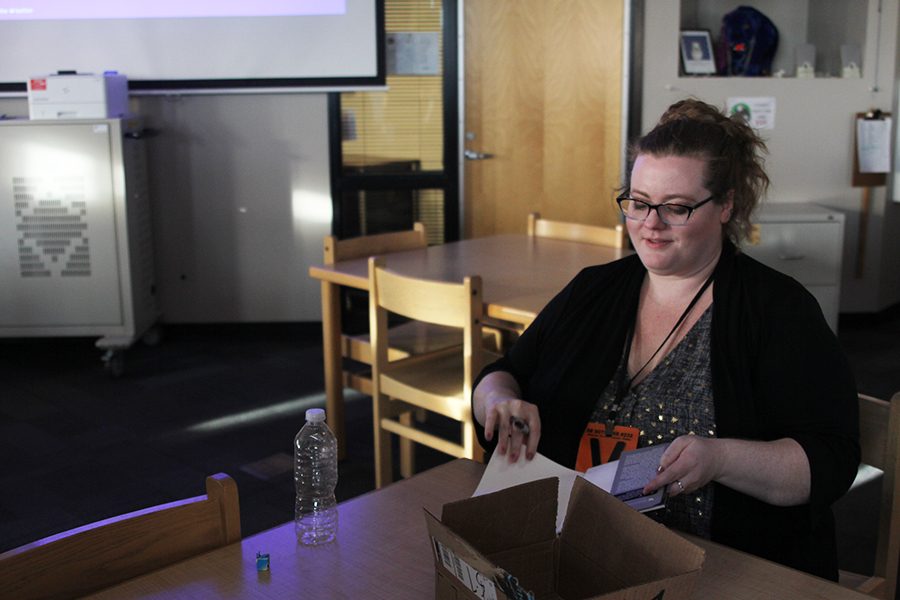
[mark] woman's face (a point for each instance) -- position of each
(680, 251)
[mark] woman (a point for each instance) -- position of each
(691, 342)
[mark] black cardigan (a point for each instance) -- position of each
(777, 371)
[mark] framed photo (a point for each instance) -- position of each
(697, 53)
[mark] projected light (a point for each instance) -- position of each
(293, 407)
(169, 9)
(197, 45)
(310, 207)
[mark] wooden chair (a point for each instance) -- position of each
(407, 339)
(439, 382)
(879, 428)
(614, 237)
(98, 555)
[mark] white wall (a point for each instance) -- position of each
(811, 146)
(241, 200)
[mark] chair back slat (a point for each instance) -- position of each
(874, 415)
(102, 554)
(613, 237)
(435, 302)
(336, 250)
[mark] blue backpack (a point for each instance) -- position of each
(747, 43)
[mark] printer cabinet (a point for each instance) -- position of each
(76, 254)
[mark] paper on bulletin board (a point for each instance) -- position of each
(873, 145)
(415, 53)
(759, 112)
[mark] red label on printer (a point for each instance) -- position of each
(39, 85)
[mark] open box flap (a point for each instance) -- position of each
(654, 552)
(518, 516)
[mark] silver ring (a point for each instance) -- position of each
(520, 425)
(679, 484)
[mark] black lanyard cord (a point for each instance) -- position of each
(622, 386)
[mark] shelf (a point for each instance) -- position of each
(827, 24)
(800, 81)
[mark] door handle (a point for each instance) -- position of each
(473, 155)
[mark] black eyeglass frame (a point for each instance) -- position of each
(656, 207)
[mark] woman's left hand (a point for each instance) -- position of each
(689, 463)
(775, 472)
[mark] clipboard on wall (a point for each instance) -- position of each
(866, 181)
(860, 178)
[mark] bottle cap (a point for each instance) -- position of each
(315, 415)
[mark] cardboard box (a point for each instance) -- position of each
(78, 96)
(484, 546)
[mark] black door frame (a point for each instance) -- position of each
(446, 180)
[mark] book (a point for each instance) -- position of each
(623, 478)
(634, 470)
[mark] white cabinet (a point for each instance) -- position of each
(806, 242)
(76, 253)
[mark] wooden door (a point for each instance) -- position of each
(543, 96)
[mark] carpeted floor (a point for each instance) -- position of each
(77, 445)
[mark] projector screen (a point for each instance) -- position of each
(196, 45)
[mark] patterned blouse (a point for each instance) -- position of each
(674, 399)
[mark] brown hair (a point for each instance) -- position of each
(732, 150)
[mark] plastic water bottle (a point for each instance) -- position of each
(315, 477)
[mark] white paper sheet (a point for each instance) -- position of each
(501, 474)
(873, 145)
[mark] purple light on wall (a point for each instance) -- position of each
(35, 10)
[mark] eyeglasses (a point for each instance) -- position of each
(670, 213)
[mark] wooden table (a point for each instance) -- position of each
(383, 551)
(520, 274)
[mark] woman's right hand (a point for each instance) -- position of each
(517, 424)
(500, 409)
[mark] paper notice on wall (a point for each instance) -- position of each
(873, 145)
(416, 53)
(758, 112)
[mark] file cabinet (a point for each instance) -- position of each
(805, 241)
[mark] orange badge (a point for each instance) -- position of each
(597, 448)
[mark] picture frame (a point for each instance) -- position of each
(697, 52)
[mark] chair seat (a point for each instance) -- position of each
(436, 382)
(406, 339)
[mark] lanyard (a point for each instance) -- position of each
(623, 382)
